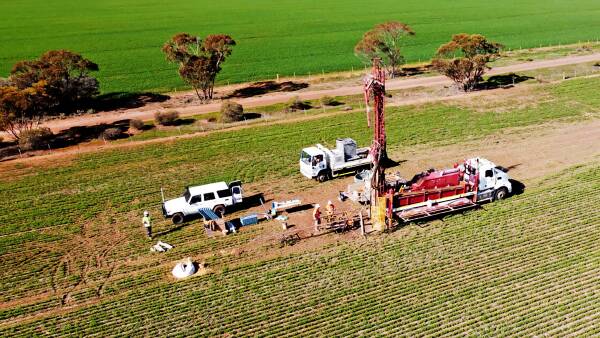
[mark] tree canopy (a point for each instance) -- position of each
(385, 42)
(464, 59)
(66, 75)
(199, 60)
(57, 82)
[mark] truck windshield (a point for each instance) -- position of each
(186, 194)
(305, 157)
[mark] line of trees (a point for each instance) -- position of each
(463, 59)
(61, 81)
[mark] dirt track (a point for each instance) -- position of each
(147, 112)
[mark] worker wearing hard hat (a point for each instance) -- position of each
(330, 208)
(147, 224)
(317, 216)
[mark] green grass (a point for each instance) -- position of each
(274, 37)
(526, 266)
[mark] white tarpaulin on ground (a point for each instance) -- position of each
(184, 269)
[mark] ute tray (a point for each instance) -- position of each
(436, 209)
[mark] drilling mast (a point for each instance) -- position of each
(375, 89)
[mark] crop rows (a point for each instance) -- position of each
(102, 194)
(526, 266)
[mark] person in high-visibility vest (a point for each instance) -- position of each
(317, 216)
(147, 224)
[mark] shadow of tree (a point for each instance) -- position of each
(411, 71)
(123, 100)
(80, 134)
(252, 116)
(180, 122)
(264, 87)
(503, 81)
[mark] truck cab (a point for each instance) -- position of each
(493, 183)
(321, 163)
(215, 196)
(313, 163)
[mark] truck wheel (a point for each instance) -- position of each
(219, 210)
(177, 218)
(500, 194)
(322, 177)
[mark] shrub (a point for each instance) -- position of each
(111, 134)
(136, 124)
(329, 101)
(297, 104)
(231, 112)
(166, 118)
(33, 139)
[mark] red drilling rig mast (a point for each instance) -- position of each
(375, 88)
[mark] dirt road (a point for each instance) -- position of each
(147, 112)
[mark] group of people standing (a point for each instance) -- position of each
(330, 209)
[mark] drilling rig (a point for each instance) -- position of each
(375, 90)
(430, 193)
(395, 200)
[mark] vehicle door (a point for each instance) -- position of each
(319, 163)
(225, 197)
(194, 204)
(209, 200)
(236, 193)
(487, 181)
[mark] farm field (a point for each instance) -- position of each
(274, 37)
(77, 263)
(525, 266)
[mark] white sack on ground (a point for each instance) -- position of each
(184, 269)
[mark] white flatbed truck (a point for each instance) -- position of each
(321, 163)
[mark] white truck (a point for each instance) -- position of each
(215, 196)
(322, 163)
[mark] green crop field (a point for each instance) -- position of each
(527, 266)
(274, 36)
(74, 261)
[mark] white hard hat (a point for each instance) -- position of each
(146, 213)
(317, 206)
(329, 202)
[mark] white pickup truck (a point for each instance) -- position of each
(321, 163)
(214, 196)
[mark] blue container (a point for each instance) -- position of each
(249, 219)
